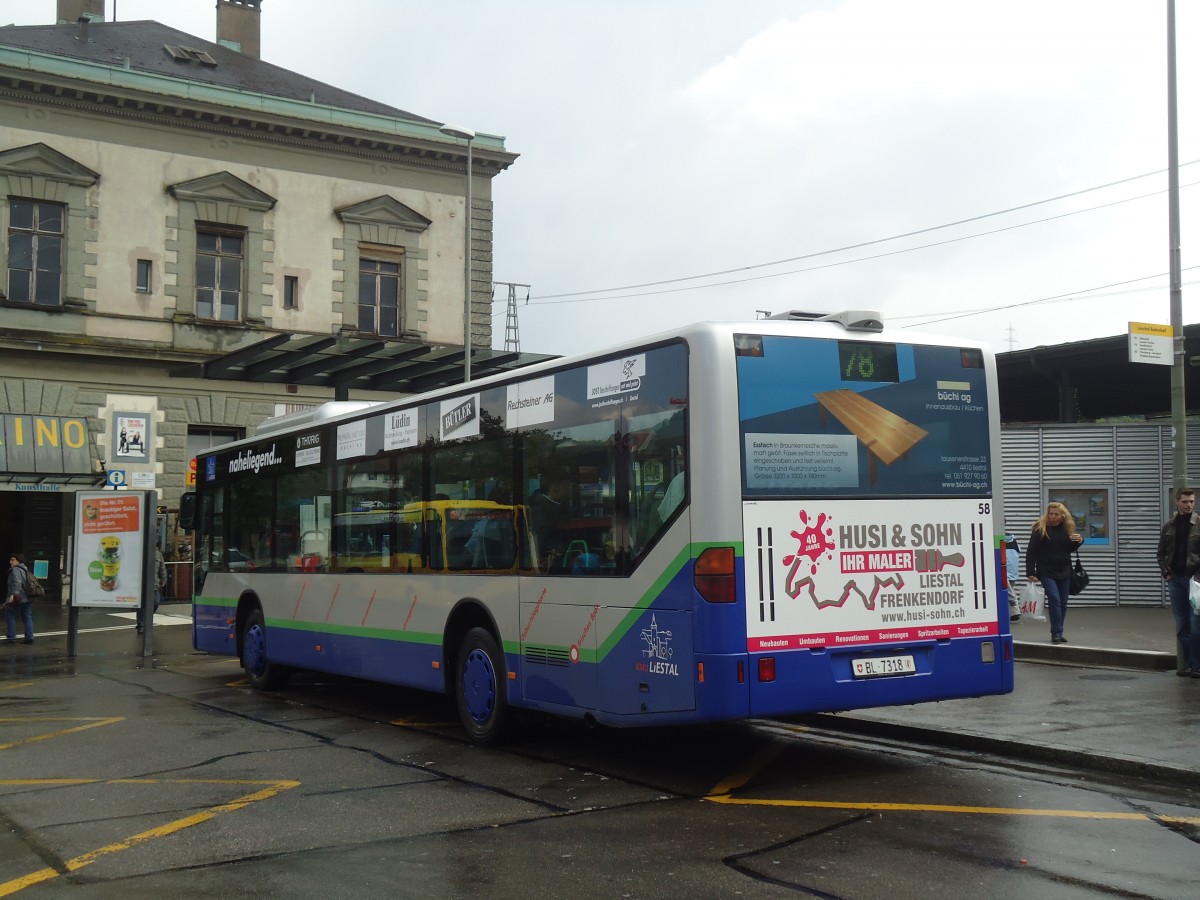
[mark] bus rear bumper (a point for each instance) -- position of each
(807, 681)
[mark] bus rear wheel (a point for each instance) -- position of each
(260, 671)
(479, 688)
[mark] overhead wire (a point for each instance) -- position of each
(586, 296)
(1070, 295)
(572, 298)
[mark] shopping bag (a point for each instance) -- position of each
(1033, 601)
(1194, 595)
(1079, 577)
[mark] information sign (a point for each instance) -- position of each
(1151, 343)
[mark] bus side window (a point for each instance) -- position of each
(433, 528)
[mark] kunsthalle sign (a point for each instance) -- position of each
(109, 548)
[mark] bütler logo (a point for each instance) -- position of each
(459, 416)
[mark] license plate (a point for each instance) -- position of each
(884, 665)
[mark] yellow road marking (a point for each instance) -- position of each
(739, 778)
(10, 685)
(86, 859)
(92, 722)
(947, 808)
(721, 794)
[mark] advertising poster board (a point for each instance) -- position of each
(110, 551)
(131, 433)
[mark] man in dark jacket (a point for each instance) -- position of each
(1178, 559)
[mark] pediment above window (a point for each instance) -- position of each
(383, 210)
(44, 160)
(222, 187)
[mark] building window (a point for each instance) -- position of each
(143, 276)
(219, 263)
(35, 248)
(201, 438)
(379, 297)
(291, 292)
(1089, 508)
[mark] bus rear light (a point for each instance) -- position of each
(741, 671)
(700, 672)
(713, 575)
(766, 668)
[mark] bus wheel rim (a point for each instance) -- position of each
(479, 686)
(255, 650)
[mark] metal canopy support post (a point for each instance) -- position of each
(1178, 390)
(149, 572)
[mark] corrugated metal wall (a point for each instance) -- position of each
(1133, 463)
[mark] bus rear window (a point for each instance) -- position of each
(821, 417)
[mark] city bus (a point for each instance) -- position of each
(790, 515)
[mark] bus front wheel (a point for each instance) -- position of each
(260, 671)
(479, 688)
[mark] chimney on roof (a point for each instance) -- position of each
(71, 11)
(239, 26)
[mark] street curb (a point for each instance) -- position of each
(978, 743)
(1071, 655)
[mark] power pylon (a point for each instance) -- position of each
(512, 337)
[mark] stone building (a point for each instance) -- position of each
(195, 239)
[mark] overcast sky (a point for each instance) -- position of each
(661, 140)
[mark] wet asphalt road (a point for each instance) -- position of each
(168, 777)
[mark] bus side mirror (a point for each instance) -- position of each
(187, 511)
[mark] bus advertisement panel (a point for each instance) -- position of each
(842, 574)
(862, 419)
(867, 512)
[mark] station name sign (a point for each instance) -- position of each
(55, 445)
(1150, 343)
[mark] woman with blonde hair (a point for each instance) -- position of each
(1048, 562)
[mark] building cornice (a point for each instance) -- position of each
(28, 76)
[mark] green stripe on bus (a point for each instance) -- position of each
(513, 646)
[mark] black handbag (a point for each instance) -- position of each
(1079, 576)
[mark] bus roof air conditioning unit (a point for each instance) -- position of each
(850, 319)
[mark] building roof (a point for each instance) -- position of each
(1085, 381)
(144, 43)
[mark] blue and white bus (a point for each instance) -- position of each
(789, 515)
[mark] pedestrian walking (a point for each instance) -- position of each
(1012, 568)
(1178, 559)
(17, 601)
(1048, 562)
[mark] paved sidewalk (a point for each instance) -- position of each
(1125, 637)
(1109, 701)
